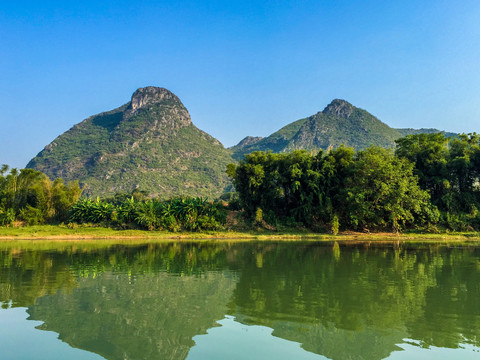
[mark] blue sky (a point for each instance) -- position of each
(240, 67)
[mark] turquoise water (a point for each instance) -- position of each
(240, 301)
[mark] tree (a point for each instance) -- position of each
(429, 153)
(384, 193)
(31, 196)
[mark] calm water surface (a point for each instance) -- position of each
(239, 301)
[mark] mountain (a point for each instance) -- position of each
(149, 144)
(339, 123)
(410, 131)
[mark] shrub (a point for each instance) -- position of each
(170, 223)
(148, 214)
(7, 217)
(31, 215)
(86, 210)
(208, 223)
(259, 216)
(335, 225)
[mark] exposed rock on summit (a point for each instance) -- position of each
(150, 95)
(339, 108)
(149, 98)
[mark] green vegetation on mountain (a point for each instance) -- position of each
(149, 144)
(340, 123)
(140, 154)
(275, 142)
(410, 131)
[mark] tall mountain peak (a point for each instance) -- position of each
(151, 95)
(149, 143)
(163, 106)
(339, 107)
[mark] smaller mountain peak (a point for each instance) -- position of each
(339, 107)
(150, 95)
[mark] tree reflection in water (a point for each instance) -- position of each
(149, 301)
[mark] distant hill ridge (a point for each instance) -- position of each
(340, 123)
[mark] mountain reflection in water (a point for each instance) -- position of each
(166, 300)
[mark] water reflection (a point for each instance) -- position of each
(255, 342)
(159, 300)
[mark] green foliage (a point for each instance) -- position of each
(31, 215)
(429, 153)
(7, 217)
(147, 214)
(89, 211)
(292, 187)
(31, 197)
(231, 198)
(449, 169)
(372, 189)
(183, 213)
(259, 216)
(126, 210)
(63, 197)
(384, 193)
(335, 225)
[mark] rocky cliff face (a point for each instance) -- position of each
(150, 144)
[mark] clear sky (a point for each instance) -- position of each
(240, 67)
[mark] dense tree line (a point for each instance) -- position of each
(370, 189)
(30, 196)
(428, 180)
(449, 169)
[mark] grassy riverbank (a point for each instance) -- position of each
(54, 232)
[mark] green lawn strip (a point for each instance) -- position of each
(93, 232)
